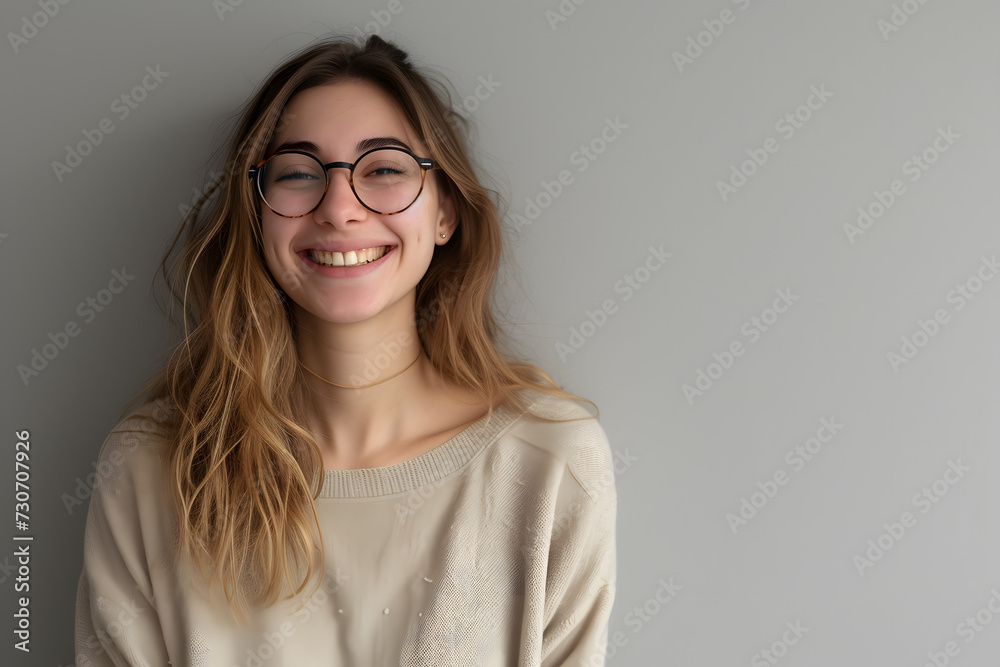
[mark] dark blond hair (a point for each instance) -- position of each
(243, 472)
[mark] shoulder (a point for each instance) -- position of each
(131, 525)
(136, 447)
(575, 439)
(146, 425)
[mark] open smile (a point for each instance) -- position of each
(350, 258)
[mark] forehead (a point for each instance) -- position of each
(337, 116)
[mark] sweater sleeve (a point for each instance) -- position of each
(582, 560)
(116, 620)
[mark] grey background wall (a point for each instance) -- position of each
(762, 236)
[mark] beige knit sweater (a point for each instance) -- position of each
(495, 548)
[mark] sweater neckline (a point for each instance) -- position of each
(444, 460)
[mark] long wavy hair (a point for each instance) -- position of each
(243, 472)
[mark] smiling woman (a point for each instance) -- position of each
(339, 448)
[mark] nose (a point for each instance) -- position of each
(339, 205)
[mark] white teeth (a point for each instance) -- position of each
(349, 258)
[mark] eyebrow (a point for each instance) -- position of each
(363, 145)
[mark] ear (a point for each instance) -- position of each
(447, 220)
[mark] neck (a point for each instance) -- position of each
(354, 422)
(361, 386)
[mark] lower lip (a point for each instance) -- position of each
(345, 271)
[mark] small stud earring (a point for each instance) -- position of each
(443, 235)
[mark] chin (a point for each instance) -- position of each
(342, 313)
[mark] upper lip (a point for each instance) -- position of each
(345, 246)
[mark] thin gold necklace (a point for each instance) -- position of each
(361, 386)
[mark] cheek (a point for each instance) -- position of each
(422, 226)
(268, 242)
(274, 241)
(418, 233)
(270, 230)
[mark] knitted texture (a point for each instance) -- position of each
(496, 547)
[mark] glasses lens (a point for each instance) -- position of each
(292, 183)
(387, 180)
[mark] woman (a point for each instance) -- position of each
(338, 465)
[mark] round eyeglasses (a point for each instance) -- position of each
(385, 180)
